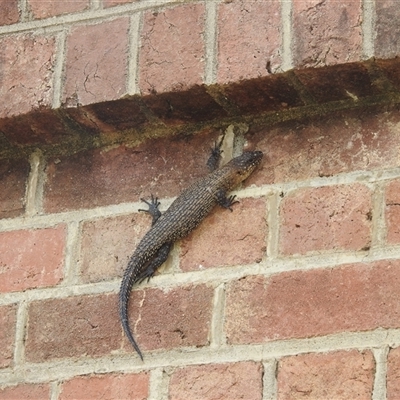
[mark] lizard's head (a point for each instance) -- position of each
(245, 164)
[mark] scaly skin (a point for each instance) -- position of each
(184, 215)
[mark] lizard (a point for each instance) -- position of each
(184, 214)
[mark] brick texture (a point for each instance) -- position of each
(107, 245)
(392, 212)
(9, 12)
(26, 80)
(94, 71)
(393, 377)
(178, 317)
(235, 238)
(347, 298)
(326, 218)
(31, 258)
(171, 44)
(26, 392)
(248, 39)
(7, 335)
(50, 8)
(106, 387)
(327, 32)
(72, 327)
(221, 381)
(340, 375)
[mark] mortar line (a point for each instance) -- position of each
(368, 28)
(211, 42)
(71, 268)
(158, 385)
(34, 187)
(20, 333)
(270, 384)
(379, 390)
(23, 7)
(287, 35)
(135, 27)
(55, 390)
(61, 39)
(95, 4)
(273, 203)
(217, 334)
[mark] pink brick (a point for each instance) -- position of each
(326, 218)
(26, 392)
(392, 212)
(96, 64)
(107, 245)
(242, 380)
(26, 81)
(172, 49)
(8, 319)
(312, 303)
(393, 374)
(111, 3)
(50, 8)
(9, 12)
(249, 39)
(341, 375)
(81, 326)
(106, 387)
(178, 317)
(235, 238)
(327, 32)
(31, 258)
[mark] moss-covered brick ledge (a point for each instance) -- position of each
(261, 101)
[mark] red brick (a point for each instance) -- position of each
(31, 258)
(313, 303)
(387, 29)
(172, 46)
(94, 178)
(326, 218)
(111, 3)
(393, 212)
(49, 8)
(178, 317)
(8, 319)
(339, 375)
(21, 91)
(249, 39)
(13, 177)
(106, 387)
(393, 375)
(73, 327)
(9, 12)
(26, 392)
(235, 238)
(327, 32)
(107, 245)
(242, 380)
(339, 142)
(96, 63)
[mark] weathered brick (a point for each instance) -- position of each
(73, 327)
(100, 177)
(242, 380)
(387, 29)
(393, 376)
(392, 212)
(96, 63)
(338, 142)
(13, 177)
(327, 32)
(107, 245)
(111, 3)
(235, 238)
(26, 78)
(326, 218)
(249, 39)
(49, 8)
(26, 392)
(106, 387)
(346, 298)
(8, 320)
(339, 375)
(9, 12)
(31, 258)
(177, 317)
(171, 46)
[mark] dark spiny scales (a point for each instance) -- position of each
(184, 214)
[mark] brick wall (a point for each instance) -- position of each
(295, 294)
